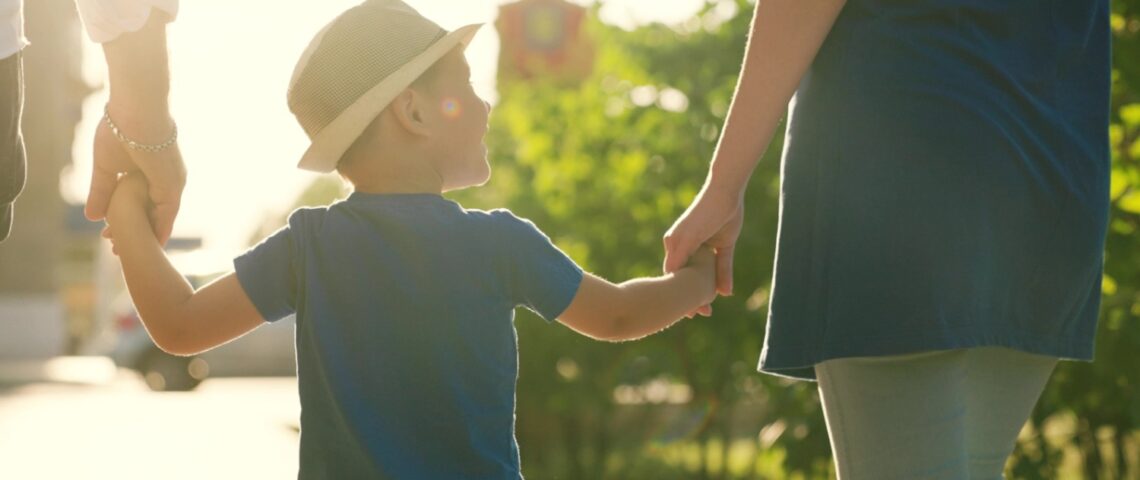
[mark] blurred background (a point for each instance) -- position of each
(606, 113)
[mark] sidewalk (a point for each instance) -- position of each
(91, 370)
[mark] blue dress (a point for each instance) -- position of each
(945, 183)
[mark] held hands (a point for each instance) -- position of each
(714, 220)
(164, 171)
(703, 261)
(129, 208)
(131, 197)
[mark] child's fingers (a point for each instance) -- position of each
(704, 311)
(106, 233)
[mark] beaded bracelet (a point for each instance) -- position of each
(133, 145)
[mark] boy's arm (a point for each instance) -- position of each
(180, 320)
(642, 306)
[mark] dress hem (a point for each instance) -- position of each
(798, 363)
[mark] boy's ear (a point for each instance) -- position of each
(409, 109)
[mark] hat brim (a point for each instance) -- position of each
(329, 144)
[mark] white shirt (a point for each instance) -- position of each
(11, 27)
(105, 19)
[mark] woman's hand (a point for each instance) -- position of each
(714, 219)
(164, 171)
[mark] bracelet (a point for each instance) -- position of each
(133, 145)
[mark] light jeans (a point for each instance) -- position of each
(951, 414)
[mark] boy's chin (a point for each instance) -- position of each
(474, 180)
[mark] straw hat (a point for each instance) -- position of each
(355, 66)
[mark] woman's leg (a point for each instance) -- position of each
(1003, 386)
(952, 414)
(899, 417)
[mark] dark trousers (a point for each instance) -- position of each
(12, 162)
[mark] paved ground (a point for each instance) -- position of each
(83, 419)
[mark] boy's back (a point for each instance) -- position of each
(406, 347)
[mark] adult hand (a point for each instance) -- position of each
(164, 171)
(139, 79)
(714, 219)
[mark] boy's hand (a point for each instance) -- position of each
(703, 261)
(130, 198)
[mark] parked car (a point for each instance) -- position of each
(264, 352)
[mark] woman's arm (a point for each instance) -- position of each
(139, 77)
(786, 34)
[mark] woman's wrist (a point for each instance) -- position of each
(143, 123)
(139, 80)
(730, 188)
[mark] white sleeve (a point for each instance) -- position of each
(107, 19)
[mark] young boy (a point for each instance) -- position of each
(406, 348)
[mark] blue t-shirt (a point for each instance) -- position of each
(406, 348)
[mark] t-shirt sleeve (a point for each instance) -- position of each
(268, 275)
(539, 276)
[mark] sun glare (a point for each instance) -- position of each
(229, 73)
(451, 108)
